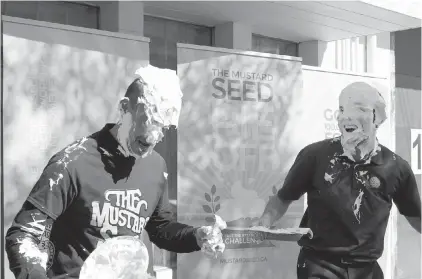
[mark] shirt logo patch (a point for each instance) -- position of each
(374, 182)
(121, 208)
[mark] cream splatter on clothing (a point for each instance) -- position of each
(349, 202)
(92, 192)
(29, 250)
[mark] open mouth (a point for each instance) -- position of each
(350, 128)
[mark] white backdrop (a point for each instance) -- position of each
(235, 146)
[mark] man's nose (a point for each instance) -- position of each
(345, 116)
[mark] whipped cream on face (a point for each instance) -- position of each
(355, 150)
(362, 111)
(162, 95)
(162, 101)
(353, 143)
(125, 127)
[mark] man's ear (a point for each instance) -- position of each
(124, 104)
(380, 114)
(375, 120)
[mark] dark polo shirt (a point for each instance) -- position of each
(349, 203)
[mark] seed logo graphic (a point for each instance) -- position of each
(235, 239)
(212, 207)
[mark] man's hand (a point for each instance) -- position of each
(210, 238)
(264, 221)
(274, 210)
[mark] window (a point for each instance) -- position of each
(274, 46)
(70, 13)
(166, 33)
(351, 54)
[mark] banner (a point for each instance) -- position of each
(244, 119)
(235, 145)
(59, 83)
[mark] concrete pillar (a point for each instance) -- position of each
(108, 15)
(131, 17)
(233, 35)
(309, 53)
(122, 16)
(408, 106)
(343, 55)
(318, 54)
(378, 59)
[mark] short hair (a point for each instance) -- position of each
(135, 90)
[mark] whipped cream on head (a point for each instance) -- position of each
(162, 95)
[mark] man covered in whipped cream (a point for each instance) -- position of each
(351, 182)
(111, 183)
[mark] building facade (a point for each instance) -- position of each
(363, 37)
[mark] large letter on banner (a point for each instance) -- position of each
(237, 138)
